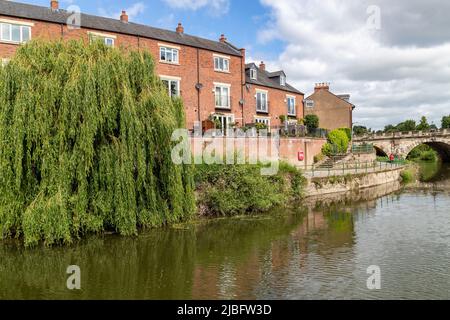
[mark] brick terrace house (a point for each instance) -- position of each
(334, 111)
(210, 76)
(268, 97)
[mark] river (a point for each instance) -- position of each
(320, 250)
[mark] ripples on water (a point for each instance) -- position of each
(317, 251)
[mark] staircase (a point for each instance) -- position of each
(330, 162)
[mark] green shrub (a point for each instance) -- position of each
(337, 143)
(226, 190)
(319, 157)
(407, 176)
(348, 132)
(429, 155)
(312, 121)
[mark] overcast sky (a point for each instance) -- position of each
(392, 56)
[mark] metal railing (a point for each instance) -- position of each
(352, 168)
(363, 148)
(294, 130)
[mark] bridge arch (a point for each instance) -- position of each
(380, 151)
(441, 147)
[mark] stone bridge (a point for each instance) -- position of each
(402, 143)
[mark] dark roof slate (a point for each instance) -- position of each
(33, 12)
(268, 79)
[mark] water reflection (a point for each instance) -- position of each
(318, 249)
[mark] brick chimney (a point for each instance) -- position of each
(54, 5)
(124, 17)
(180, 28)
(223, 39)
(322, 86)
(262, 66)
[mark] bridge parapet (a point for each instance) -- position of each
(401, 135)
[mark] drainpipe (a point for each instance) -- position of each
(198, 87)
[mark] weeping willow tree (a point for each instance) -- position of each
(85, 144)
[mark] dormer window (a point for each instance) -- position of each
(253, 74)
(282, 80)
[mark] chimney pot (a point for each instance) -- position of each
(222, 38)
(124, 16)
(54, 5)
(262, 66)
(322, 86)
(180, 28)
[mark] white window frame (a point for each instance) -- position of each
(171, 79)
(264, 120)
(283, 80)
(221, 87)
(104, 37)
(172, 49)
(225, 119)
(253, 74)
(294, 99)
(309, 104)
(266, 93)
(220, 67)
(10, 23)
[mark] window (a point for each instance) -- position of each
(265, 121)
(221, 64)
(172, 85)
(226, 123)
(15, 32)
(262, 105)
(223, 98)
(253, 74)
(309, 103)
(169, 55)
(282, 80)
(107, 40)
(291, 106)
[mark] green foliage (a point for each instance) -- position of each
(407, 176)
(261, 126)
(312, 121)
(338, 142)
(236, 189)
(85, 134)
(360, 130)
(446, 122)
(423, 125)
(408, 125)
(319, 157)
(423, 153)
(283, 118)
(348, 132)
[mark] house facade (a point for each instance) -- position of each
(269, 98)
(334, 111)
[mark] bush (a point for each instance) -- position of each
(226, 190)
(429, 155)
(337, 143)
(407, 176)
(348, 132)
(319, 157)
(312, 122)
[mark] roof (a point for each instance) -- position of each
(268, 79)
(39, 13)
(340, 97)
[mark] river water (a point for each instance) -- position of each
(320, 250)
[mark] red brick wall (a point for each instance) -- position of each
(277, 104)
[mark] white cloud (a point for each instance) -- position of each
(391, 73)
(214, 7)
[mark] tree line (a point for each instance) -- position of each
(405, 126)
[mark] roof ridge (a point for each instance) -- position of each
(41, 13)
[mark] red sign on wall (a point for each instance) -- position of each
(301, 156)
